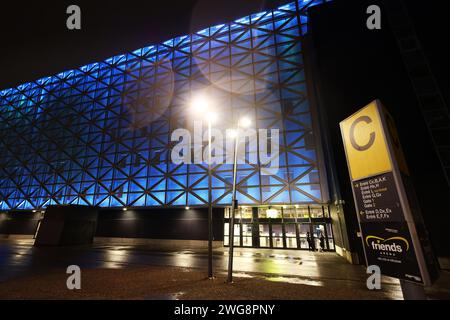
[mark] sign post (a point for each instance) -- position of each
(392, 229)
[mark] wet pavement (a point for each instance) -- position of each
(19, 258)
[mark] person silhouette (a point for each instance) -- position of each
(310, 242)
(322, 242)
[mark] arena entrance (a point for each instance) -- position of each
(281, 227)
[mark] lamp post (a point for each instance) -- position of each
(200, 105)
(210, 215)
(245, 122)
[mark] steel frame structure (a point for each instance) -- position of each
(100, 134)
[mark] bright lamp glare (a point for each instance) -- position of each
(232, 133)
(211, 116)
(199, 104)
(245, 122)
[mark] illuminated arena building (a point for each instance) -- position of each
(100, 135)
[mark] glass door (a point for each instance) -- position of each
(237, 234)
(226, 232)
(323, 236)
(304, 229)
(319, 236)
(291, 236)
(264, 235)
(277, 236)
(246, 235)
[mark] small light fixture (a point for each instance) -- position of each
(124, 209)
(34, 211)
(187, 208)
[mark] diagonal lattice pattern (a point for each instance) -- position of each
(100, 134)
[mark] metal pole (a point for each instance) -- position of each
(412, 291)
(210, 229)
(234, 206)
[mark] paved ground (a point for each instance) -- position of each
(112, 271)
(154, 282)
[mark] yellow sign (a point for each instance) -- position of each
(365, 143)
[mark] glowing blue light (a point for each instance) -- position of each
(149, 50)
(96, 91)
(217, 28)
(244, 20)
(289, 6)
(109, 60)
(204, 32)
(169, 43)
(180, 40)
(257, 16)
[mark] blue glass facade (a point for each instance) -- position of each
(100, 134)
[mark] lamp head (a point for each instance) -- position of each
(245, 122)
(199, 104)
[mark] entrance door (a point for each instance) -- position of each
(237, 235)
(303, 230)
(277, 236)
(247, 234)
(291, 236)
(325, 230)
(318, 231)
(264, 235)
(267, 233)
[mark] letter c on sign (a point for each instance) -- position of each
(355, 145)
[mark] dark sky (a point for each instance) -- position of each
(35, 41)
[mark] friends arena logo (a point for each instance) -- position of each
(390, 246)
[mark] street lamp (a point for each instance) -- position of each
(201, 105)
(242, 123)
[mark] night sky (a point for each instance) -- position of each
(36, 43)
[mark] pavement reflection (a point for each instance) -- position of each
(20, 258)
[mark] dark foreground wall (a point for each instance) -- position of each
(67, 225)
(175, 224)
(353, 66)
(19, 223)
(155, 223)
